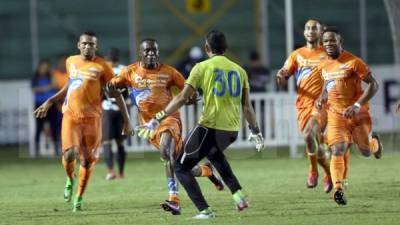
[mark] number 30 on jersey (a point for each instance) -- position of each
(222, 78)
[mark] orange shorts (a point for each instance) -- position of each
(356, 130)
(174, 126)
(304, 115)
(82, 133)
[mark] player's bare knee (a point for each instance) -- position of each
(87, 163)
(320, 153)
(69, 155)
(165, 145)
(196, 171)
(338, 150)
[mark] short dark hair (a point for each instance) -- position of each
(253, 55)
(217, 42)
(148, 40)
(332, 29)
(89, 33)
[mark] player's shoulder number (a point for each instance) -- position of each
(221, 78)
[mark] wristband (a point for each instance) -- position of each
(161, 115)
(254, 129)
(358, 105)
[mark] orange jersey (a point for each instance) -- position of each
(343, 78)
(151, 88)
(303, 63)
(86, 79)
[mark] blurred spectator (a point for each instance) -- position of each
(259, 76)
(43, 88)
(112, 124)
(60, 73)
(185, 66)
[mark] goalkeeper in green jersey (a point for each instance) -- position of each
(225, 91)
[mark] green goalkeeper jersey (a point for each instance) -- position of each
(222, 82)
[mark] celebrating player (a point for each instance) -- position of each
(349, 120)
(151, 84)
(225, 89)
(302, 63)
(81, 124)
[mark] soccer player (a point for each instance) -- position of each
(302, 63)
(349, 120)
(81, 123)
(151, 83)
(225, 90)
(112, 125)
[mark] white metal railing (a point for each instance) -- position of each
(275, 113)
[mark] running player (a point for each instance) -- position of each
(349, 120)
(225, 89)
(151, 83)
(302, 63)
(81, 123)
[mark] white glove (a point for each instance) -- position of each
(258, 139)
(148, 130)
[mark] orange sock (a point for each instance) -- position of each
(174, 198)
(324, 163)
(346, 164)
(337, 170)
(373, 145)
(313, 163)
(205, 171)
(84, 175)
(69, 168)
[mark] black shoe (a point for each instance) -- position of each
(339, 197)
(218, 184)
(171, 206)
(378, 154)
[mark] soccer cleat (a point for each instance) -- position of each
(328, 185)
(218, 184)
(205, 214)
(110, 176)
(339, 197)
(68, 190)
(241, 201)
(171, 206)
(78, 202)
(312, 180)
(378, 154)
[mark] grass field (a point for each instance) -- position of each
(31, 193)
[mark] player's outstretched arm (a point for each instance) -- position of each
(369, 92)
(41, 111)
(250, 117)
(323, 98)
(178, 101)
(127, 129)
(282, 77)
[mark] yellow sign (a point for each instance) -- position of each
(198, 6)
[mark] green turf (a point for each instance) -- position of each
(31, 192)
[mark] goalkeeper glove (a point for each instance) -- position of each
(148, 130)
(256, 137)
